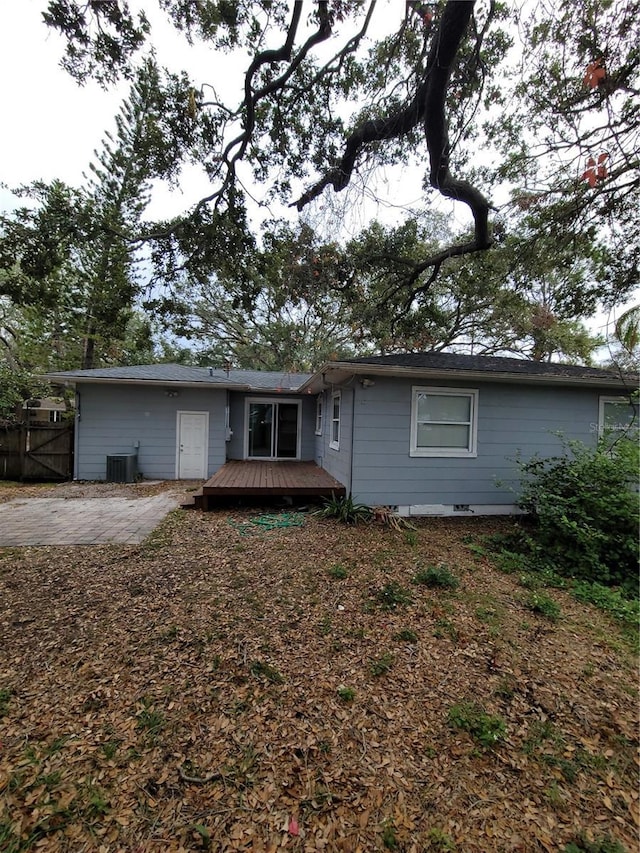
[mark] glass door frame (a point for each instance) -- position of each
(273, 402)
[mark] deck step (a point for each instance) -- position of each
(192, 501)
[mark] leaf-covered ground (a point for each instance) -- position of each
(227, 686)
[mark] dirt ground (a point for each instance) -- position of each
(246, 680)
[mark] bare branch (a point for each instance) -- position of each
(428, 107)
(251, 97)
(350, 47)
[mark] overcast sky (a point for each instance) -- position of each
(50, 124)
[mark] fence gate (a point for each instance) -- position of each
(36, 452)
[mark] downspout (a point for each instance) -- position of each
(76, 436)
(228, 434)
(353, 430)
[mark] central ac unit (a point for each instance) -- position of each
(122, 468)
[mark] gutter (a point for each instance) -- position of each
(438, 373)
(166, 383)
(150, 383)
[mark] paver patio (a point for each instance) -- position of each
(75, 521)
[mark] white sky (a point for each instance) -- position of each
(50, 125)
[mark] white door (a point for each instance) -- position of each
(192, 450)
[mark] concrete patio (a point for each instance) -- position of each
(82, 521)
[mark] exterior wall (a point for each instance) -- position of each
(112, 418)
(512, 421)
(235, 447)
(336, 462)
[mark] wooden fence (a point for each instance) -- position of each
(36, 452)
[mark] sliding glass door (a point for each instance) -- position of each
(272, 429)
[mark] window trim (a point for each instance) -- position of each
(602, 401)
(319, 413)
(334, 443)
(469, 452)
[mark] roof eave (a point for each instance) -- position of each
(165, 383)
(154, 383)
(336, 373)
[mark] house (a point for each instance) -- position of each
(44, 410)
(426, 433)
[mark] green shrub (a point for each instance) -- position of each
(347, 694)
(5, 697)
(470, 717)
(539, 602)
(264, 670)
(406, 635)
(436, 576)
(602, 845)
(612, 601)
(585, 511)
(339, 572)
(345, 509)
(148, 719)
(392, 595)
(382, 665)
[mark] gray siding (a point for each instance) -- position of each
(512, 421)
(308, 428)
(113, 418)
(235, 447)
(336, 462)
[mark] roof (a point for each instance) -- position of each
(486, 364)
(179, 374)
(443, 365)
(418, 365)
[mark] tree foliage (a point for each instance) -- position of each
(514, 299)
(307, 301)
(569, 143)
(325, 99)
(68, 252)
(539, 105)
(410, 91)
(291, 317)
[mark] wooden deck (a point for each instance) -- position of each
(267, 479)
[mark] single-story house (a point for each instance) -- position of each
(425, 433)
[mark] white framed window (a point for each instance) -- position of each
(617, 416)
(336, 403)
(319, 412)
(444, 421)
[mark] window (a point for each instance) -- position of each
(334, 442)
(617, 416)
(444, 422)
(319, 407)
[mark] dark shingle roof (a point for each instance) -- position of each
(485, 364)
(178, 373)
(509, 369)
